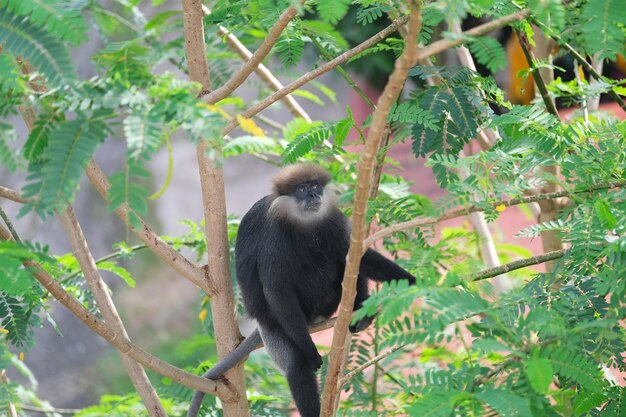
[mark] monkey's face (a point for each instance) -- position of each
(309, 196)
(306, 204)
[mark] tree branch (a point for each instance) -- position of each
(430, 50)
(519, 264)
(227, 334)
(364, 169)
(322, 69)
(250, 65)
(106, 306)
(158, 246)
(118, 341)
(424, 221)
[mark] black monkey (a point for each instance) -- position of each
(290, 258)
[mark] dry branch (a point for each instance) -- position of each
(223, 309)
(250, 65)
(118, 341)
(106, 306)
(432, 49)
(365, 168)
(158, 246)
(425, 221)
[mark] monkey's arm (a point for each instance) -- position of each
(232, 359)
(375, 266)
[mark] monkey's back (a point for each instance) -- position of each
(306, 262)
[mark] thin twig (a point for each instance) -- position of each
(11, 411)
(251, 64)
(48, 410)
(424, 221)
(369, 363)
(541, 85)
(519, 264)
(8, 223)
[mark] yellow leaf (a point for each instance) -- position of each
(3, 330)
(249, 126)
(202, 315)
(216, 109)
(22, 356)
(501, 208)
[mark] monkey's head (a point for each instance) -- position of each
(301, 195)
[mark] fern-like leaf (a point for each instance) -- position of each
(602, 23)
(8, 156)
(332, 11)
(371, 13)
(290, 47)
(489, 52)
(305, 142)
(144, 133)
(43, 51)
(249, 145)
(126, 191)
(438, 404)
(60, 17)
(16, 318)
(505, 403)
(38, 137)
(577, 368)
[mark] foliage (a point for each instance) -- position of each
(459, 348)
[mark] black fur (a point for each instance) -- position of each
(291, 274)
(290, 269)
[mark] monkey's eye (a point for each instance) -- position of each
(302, 188)
(315, 187)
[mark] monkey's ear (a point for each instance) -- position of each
(292, 175)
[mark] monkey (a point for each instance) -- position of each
(290, 256)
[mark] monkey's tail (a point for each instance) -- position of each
(232, 359)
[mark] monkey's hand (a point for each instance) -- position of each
(361, 324)
(314, 357)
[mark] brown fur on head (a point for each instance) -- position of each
(292, 175)
(285, 207)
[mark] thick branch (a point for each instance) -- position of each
(106, 306)
(118, 341)
(364, 169)
(214, 203)
(249, 66)
(424, 221)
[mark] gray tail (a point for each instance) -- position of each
(232, 359)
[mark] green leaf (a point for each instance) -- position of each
(15, 279)
(144, 133)
(125, 191)
(585, 401)
(342, 130)
(309, 96)
(38, 137)
(290, 47)
(505, 403)
(119, 271)
(8, 155)
(603, 212)
(539, 373)
(602, 24)
(433, 405)
(577, 368)
(60, 17)
(250, 145)
(305, 142)
(489, 52)
(332, 11)
(20, 37)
